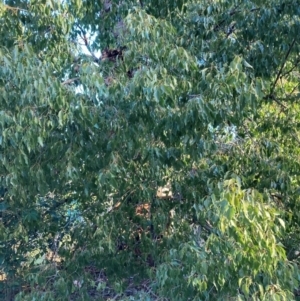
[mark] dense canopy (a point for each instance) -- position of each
(149, 150)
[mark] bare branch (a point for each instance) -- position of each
(69, 81)
(294, 89)
(289, 71)
(273, 97)
(282, 66)
(14, 8)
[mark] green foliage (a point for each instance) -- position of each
(199, 98)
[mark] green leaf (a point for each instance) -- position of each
(40, 140)
(281, 221)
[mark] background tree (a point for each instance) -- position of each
(172, 157)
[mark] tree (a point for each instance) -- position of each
(196, 98)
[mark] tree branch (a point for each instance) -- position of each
(282, 66)
(84, 38)
(69, 81)
(272, 97)
(289, 71)
(231, 13)
(14, 8)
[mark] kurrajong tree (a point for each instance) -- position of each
(150, 140)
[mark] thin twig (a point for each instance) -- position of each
(289, 97)
(281, 104)
(14, 8)
(84, 38)
(296, 138)
(272, 97)
(282, 66)
(232, 13)
(289, 71)
(69, 81)
(294, 89)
